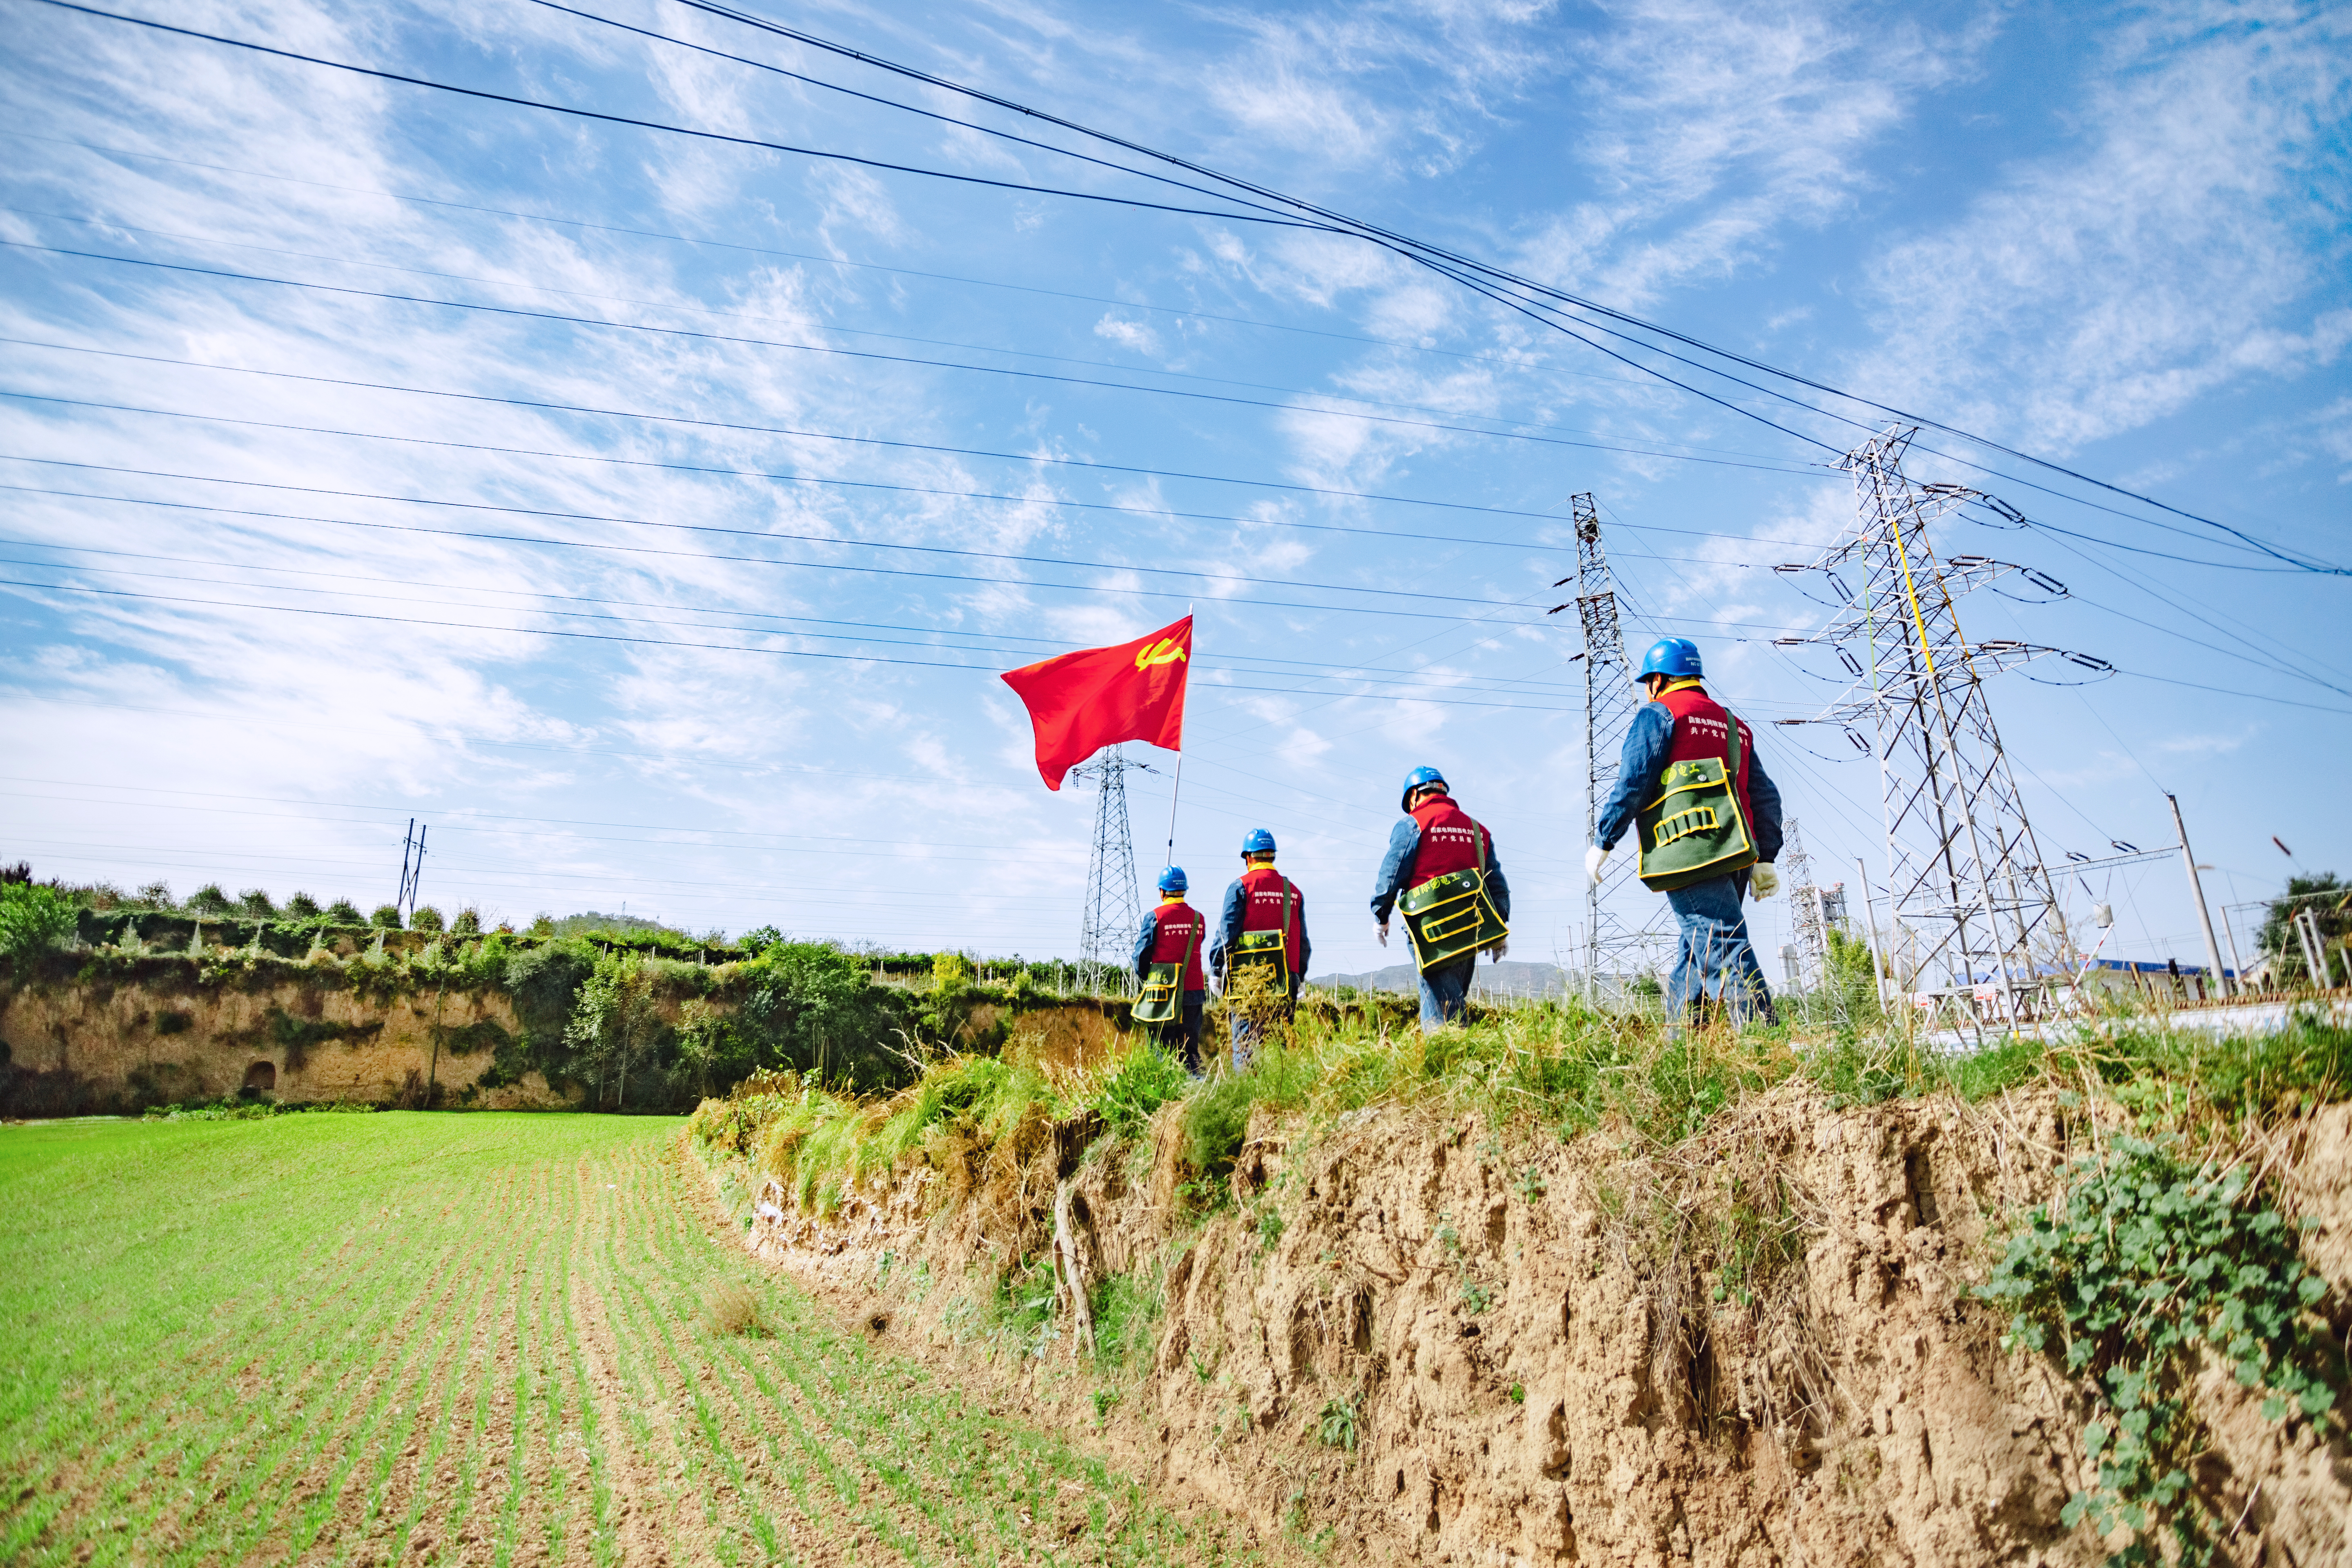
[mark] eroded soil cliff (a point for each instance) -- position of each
(81, 1047)
(1404, 1337)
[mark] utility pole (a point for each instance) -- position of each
(1114, 908)
(2196, 893)
(410, 875)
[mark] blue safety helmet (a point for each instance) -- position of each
(1172, 880)
(1676, 657)
(1420, 778)
(1259, 842)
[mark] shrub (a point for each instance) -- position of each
(254, 904)
(2143, 1270)
(343, 913)
(386, 917)
(951, 971)
(543, 926)
(544, 982)
(759, 939)
(303, 907)
(731, 1309)
(425, 919)
(1135, 1086)
(1214, 1123)
(157, 895)
(32, 920)
(209, 900)
(615, 1022)
(468, 923)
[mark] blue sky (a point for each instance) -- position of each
(287, 554)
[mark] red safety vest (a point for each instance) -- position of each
(1263, 892)
(1180, 926)
(1700, 731)
(1450, 841)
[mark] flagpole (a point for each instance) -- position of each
(1177, 792)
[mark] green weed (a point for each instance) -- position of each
(2144, 1266)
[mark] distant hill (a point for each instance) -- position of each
(1508, 978)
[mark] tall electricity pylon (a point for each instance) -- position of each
(1609, 704)
(1114, 908)
(1805, 908)
(1970, 895)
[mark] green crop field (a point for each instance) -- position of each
(397, 1338)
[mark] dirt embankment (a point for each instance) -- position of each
(1531, 1367)
(78, 1048)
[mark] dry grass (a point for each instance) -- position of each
(730, 1309)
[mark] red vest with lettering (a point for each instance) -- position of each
(1450, 840)
(1700, 731)
(1179, 925)
(1264, 889)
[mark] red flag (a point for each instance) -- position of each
(1083, 701)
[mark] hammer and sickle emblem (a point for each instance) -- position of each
(1165, 651)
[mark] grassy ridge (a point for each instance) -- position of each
(466, 1338)
(1550, 1069)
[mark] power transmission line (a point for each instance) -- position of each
(874, 356)
(1030, 458)
(1463, 268)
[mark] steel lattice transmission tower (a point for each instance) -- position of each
(1610, 701)
(1114, 910)
(1810, 926)
(1970, 899)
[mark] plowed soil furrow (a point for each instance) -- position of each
(214, 1452)
(473, 1339)
(446, 1529)
(693, 1430)
(191, 1418)
(404, 1491)
(290, 1502)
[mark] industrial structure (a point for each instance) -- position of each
(1612, 947)
(1974, 930)
(1114, 910)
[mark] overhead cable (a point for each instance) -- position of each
(1034, 458)
(876, 356)
(1430, 255)
(485, 95)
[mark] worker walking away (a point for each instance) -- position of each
(1709, 824)
(1261, 947)
(1441, 870)
(1168, 963)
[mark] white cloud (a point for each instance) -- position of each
(1134, 336)
(2167, 251)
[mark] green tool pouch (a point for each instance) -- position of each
(1162, 999)
(1260, 962)
(1694, 829)
(1451, 915)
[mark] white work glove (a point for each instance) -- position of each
(1764, 882)
(1383, 933)
(1594, 858)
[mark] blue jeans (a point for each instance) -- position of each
(1715, 961)
(1444, 993)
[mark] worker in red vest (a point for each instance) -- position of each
(1689, 781)
(1441, 867)
(1261, 948)
(1168, 963)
